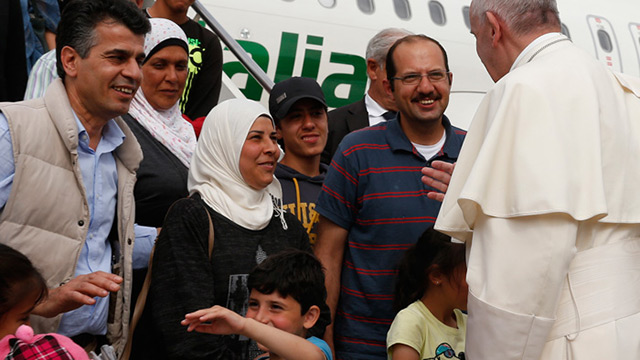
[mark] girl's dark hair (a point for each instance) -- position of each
(433, 248)
(18, 278)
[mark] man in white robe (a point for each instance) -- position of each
(545, 194)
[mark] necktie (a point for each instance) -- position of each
(389, 115)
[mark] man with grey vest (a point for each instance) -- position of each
(67, 171)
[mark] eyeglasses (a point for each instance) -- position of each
(413, 79)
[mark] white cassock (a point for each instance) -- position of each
(546, 193)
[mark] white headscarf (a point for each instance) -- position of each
(166, 126)
(215, 167)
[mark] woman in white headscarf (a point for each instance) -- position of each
(167, 139)
(231, 179)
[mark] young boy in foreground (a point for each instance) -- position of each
(287, 293)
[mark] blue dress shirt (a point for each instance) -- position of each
(100, 179)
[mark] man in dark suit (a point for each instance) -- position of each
(376, 105)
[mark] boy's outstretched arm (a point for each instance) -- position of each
(222, 321)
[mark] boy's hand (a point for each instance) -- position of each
(216, 320)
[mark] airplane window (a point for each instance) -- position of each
(327, 3)
(402, 9)
(565, 31)
(465, 16)
(366, 6)
(605, 41)
(437, 12)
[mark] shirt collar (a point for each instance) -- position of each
(397, 139)
(373, 108)
(532, 45)
(453, 143)
(112, 135)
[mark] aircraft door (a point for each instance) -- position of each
(605, 42)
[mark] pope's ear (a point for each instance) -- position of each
(496, 28)
(69, 60)
(311, 317)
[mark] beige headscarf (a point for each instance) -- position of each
(215, 167)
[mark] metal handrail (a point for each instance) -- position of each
(249, 64)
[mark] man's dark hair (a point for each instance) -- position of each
(391, 66)
(79, 20)
(294, 273)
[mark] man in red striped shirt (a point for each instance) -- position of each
(374, 206)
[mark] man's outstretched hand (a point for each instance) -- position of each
(438, 176)
(81, 290)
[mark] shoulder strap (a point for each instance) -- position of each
(142, 297)
(211, 234)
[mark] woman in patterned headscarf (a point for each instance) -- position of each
(166, 138)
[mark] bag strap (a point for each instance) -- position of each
(142, 297)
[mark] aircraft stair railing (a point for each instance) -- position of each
(244, 58)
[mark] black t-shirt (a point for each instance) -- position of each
(161, 178)
(202, 89)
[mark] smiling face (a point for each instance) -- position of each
(165, 74)
(425, 101)
(259, 154)
(283, 313)
(304, 129)
(104, 83)
(280, 312)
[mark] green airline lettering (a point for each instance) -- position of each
(357, 80)
(311, 64)
(287, 56)
(260, 55)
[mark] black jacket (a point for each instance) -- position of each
(342, 121)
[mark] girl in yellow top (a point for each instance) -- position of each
(431, 291)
